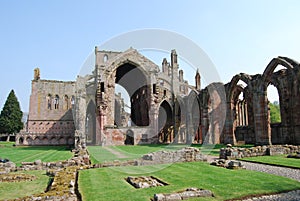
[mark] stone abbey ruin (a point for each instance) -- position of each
(164, 107)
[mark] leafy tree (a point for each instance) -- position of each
(11, 115)
(275, 112)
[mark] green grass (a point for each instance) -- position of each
(99, 154)
(281, 160)
(110, 184)
(15, 190)
(20, 154)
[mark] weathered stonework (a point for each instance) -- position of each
(50, 118)
(164, 107)
(233, 152)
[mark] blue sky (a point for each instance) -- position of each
(57, 36)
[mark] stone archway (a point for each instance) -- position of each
(165, 126)
(134, 81)
(239, 110)
(90, 125)
(129, 138)
(21, 141)
(180, 120)
(262, 120)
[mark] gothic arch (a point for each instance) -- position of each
(165, 121)
(194, 118)
(234, 81)
(135, 81)
(181, 116)
(90, 124)
(29, 140)
(267, 74)
(133, 57)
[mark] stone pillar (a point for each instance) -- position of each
(80, 112)
(229, 137)
(246, 113)
(198, 80)
(261, 123)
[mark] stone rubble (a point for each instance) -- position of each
(65, 173)
(16, 177)
(229, 164)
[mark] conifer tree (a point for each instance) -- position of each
(11, 115)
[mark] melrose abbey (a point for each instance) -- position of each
(164, 107)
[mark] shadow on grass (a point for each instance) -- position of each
(44, 148)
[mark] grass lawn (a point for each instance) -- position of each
(275, 160)
(110, 184)
(20, 154)
(100, 154)
(15, 190)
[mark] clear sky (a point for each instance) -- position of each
(57, 35)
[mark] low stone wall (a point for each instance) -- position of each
(7, 167)
(187, 154)
(270, 150)
(80, 158)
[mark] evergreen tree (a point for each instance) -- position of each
(11, 115)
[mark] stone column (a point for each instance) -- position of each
(229, 137)
(261, 123)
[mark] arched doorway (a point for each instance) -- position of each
(180, 121)
(279, 72)
(165, 126)
(196, 121)
(90, 125)
(129, 140)
(239, 111)
(21, 141)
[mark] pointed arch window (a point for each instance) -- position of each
(72, 101)
(105, 58)
(66, 102)
(56, 102)
(49, 101)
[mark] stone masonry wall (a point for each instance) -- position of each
(270, 150)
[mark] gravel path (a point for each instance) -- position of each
(281, 171)
(290, 196)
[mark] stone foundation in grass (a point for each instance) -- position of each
(16, 177)
(145, 182)
(187, 194)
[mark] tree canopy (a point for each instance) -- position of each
(275, 116)
(11, 115)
